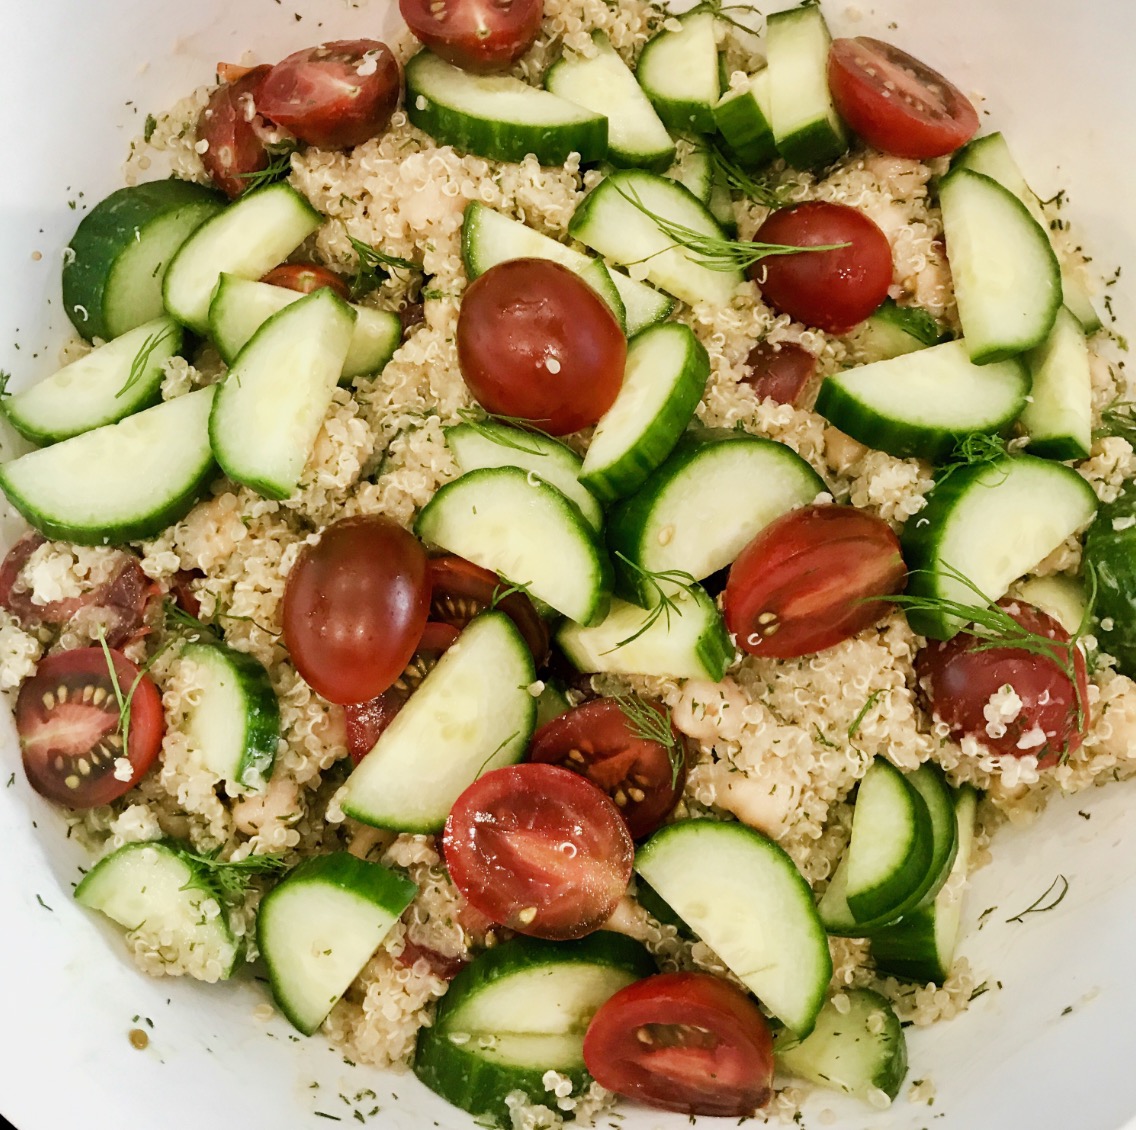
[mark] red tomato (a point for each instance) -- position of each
(306, 277)
(182, 592)
(831, 290)
(895, 102)
(440, 964)
(477, 35)
(70, 726)
(229, 125)
(335, 95)
(230, 72)
(779, 372)
(687, 1042)
(355, 604)
(805, 582)
(540, 850)
(597, 740)
(960, 676)
(411, 314)
(536, 342)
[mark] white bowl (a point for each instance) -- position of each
(1049, 1050)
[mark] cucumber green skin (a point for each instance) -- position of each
(906, 949)
(813, 147)
(107, 231)
(911, 320)
(746, 132)
(1110, 555)
(1060, 448)
(929, 782)
(659, 909)
(678, 115)
(551, 703)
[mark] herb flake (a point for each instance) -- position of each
(1055, 893)
(652, 724)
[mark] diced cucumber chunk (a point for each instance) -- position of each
(894, 330)
(551, 703)
(120, 482)
(694, 170)
(1110, 558)
(742, 117)
(1058, 595)
(320, 925)
(1058, 419)
(678, 70)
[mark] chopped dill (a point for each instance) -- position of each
(276, 169)
(141, 360)
(873, 698)
(1055, 892)
(149, 127)
(761, 191)
(665, 603)
(651, 725)
(227, 878)
(373, 266)
(1118, 419)
(506, 431)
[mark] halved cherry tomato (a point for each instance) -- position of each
(895, 102)
(184, 596)
(70, 726)
(809, 579)
(477, 35)
(597, 740)
(831, 290)
(779, 372)
(440, 964)
(230, 72)
(540, 850)
(228, 124)
(687, 1042)
(962, 676)
(306, 277)
(536, 342)
(335, 95)
(354, 607)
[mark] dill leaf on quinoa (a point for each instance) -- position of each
(373, 267)
(227, 878)
(276, 170)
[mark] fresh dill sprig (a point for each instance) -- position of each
(277, 169)
(653, 724)
(500, 746)
(503, 592)
(873, 698)
(142, 359)
(719, 11)
(1056, 892)
(1118, 419)
(484, 424)
(373, 267)
(177, 617)
(760, 191)
(665, 603)
(125, 699)
(972, 450)
(227, 878)
(5, 377)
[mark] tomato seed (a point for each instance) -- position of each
(620, 798)
(139, 1039)
(527, 916)
(637, 795)
(49, 700)
(98, 696)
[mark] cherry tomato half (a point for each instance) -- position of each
(687, 1042)
(306, 277)
(354, 607)
(228, 124)
(806, 581)
(962, 680)
(831, 290)
(536, 342)
(895, 102)
(70, 726)
(477, 35)
(538, 849)
(779, 372)
(597, 740)
(335, 95)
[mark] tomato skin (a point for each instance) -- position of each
(482, 36)
(685, 1042)
(920, 114)
(229, 125)
(538, 849)
(806, 582)
(596, 740)
(67, 716)
(830, 290)
(354, 607)
(306, 277)
(779, 372)
(335, 95)
(958, 680)
(536, 342)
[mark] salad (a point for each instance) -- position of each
(562, 539)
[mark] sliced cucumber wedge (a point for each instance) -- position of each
(679, 72)
(742, 117)
(1059, 416)
(694, 170)
(319, 926)
(894, 330)
(1058, 595)
(121, 482)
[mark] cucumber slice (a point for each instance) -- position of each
(744, 897)
(552, 702)
(473, 712)
(857, 1050)
(610, 223)
(241, 306)
(663, 381)
(1059, 416)
(1110, 557)
(248, 238)
(121, 482)
(742, 117)
(520, 1010)
(687, 641)
(116, 261)
(895, 330)
(604, 84)
(108, 384)
(166, 901)
(597, 275)
(517, 525)
(919, 405)
(721, 205)
(1059, 596)
(806, 126)
(489, 444)
(707, 501)
(234, 719)
(272, 402)
(320, 925)
(1007, 279)
(694, 171)
(498, 116)
(678, 71)
(991, 522)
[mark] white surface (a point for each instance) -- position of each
(78, 79)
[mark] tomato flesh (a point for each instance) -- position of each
(228, 125)
(306, 277)
(896, 103)
(685, 1042)
(536, 342)
(830, 290)
(811, 579)
(779, 372)
(477, 35)
(538, 849)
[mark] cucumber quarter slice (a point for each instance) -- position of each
(320, 925)
(921, 404)
(163, 899)
(472, 713)
(991, 523)
(1059, 416)
(694, 170)
(109, 383)
(120, 482)
(1007, 279)
(894, 330)
(498, 116)
(1057, 595)
(678, 70)
(272, 402)
(742, 117)
(116, 261)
